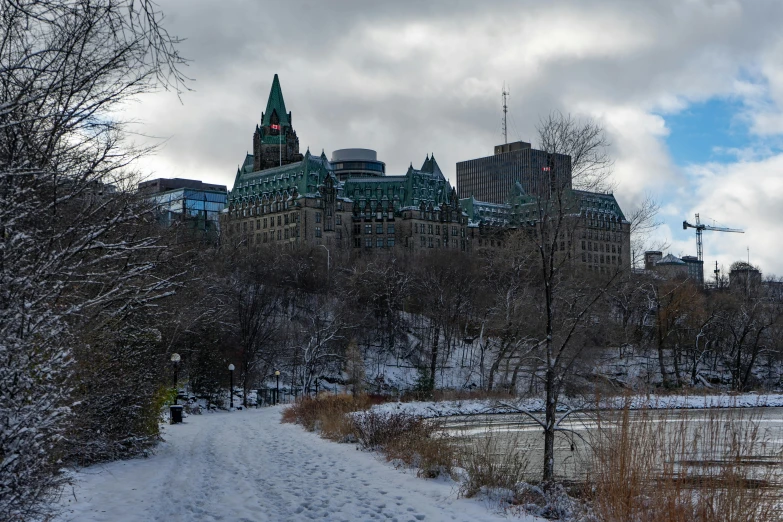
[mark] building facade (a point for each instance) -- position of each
(492, 179)
(350, 203)
(673, 267)
(593, 232)
(187, 201)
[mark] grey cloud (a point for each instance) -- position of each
(353, 74)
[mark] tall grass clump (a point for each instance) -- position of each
(492, 464)
(667, 465)
(327, 414)
(407, 440)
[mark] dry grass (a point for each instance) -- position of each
(486, 469)
(651, 466)
(327, 414)
(403, 438)
(407, 440)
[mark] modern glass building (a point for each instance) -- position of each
(200, 209)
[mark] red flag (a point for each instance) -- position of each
(275, 127)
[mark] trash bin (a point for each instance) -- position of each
(176, 413)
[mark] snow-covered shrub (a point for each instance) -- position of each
(553, 503)
(119, 394)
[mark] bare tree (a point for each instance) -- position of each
(566, 298)
(585, 142)
(68, 250)
(644, 222)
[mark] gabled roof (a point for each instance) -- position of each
(430, 166)
(275, 103)
(669, 259)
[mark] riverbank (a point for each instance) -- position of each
(431, 409)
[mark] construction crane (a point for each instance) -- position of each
(700, 228)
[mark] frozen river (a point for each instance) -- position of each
(754, 435)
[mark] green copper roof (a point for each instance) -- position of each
(275, 104)
(305, 177)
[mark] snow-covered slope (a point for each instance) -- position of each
(246, 466)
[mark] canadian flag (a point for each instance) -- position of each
(275, 127)
(545, 169)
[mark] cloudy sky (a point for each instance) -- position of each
(690, 93)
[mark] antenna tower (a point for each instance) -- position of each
(505, 112)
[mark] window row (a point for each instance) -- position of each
(601, 247)
(279, 235)
(379, 228)
(379, 242)
(422, 228)
(600, 258)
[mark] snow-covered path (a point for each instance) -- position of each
(246, 466)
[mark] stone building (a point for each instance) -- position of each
(594, 232)
(309, 200)
(350, 202)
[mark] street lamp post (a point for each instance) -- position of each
(231, 386)
(328, 258)
(175, 358)
(277, 391)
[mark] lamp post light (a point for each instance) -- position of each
(277, 392)
(175, 358)
(231, 386)
(328, 258)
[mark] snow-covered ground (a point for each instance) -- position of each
(246, 466)
(490, 406)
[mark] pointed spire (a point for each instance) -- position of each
(275, 104)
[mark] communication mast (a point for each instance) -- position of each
(505, 112)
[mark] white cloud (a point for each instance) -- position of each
(746, 195)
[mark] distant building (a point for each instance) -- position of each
(651, 257)
(348, 202)
(596, 235)
(357, 163)
(673, 267)
(155, 186)
(274, 141)
(492, 178)
(744, 276)
(188, 201)
(351, 203)
(695, 269)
